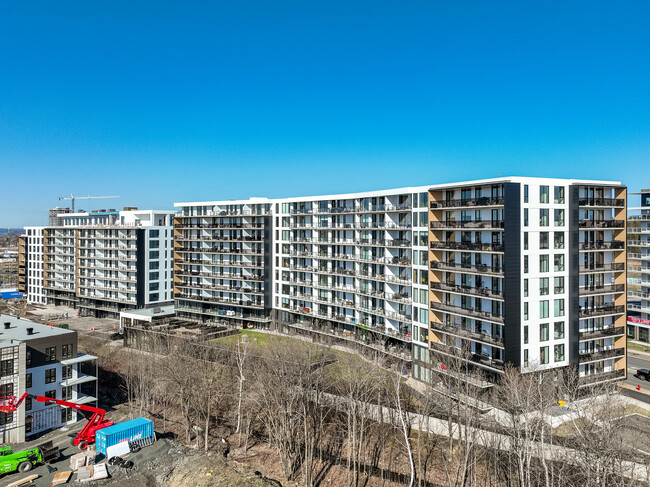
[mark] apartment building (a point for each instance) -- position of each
(42, 360)
(525, 271)
(55, 216)
(638, 265)
(30, 265)
(104, 262)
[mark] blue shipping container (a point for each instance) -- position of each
(136, 429)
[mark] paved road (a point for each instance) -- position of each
(635, 362)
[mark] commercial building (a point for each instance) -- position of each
(102, 262)
(525, 271)
(638, 264)
(42, 360)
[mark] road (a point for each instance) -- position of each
(635, 362)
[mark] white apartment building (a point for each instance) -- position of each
(42, 360)
(526, 271)
(638, 259)
(103, 262)
(30, 265)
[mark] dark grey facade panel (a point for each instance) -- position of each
(573, 286)
(512, 272)
(141, 270)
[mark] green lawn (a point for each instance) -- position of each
(638, 347)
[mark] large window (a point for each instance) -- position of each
(558, 240)
(558, 330)
(525, 193)
(525, 334)
(525, 311)
(558, 263)
(559, 307)
(28, 381)
(558, 195)
(558, 284)
(50, 376)
(6, 367)
(526, 357)
(543, 355)
(50, 354)
(559, 218)
(525, 217)
(50, 394)
(543, 194)
(543, 217)
(66, 372)
(559, 352)
(543, 332)
(543, 309)
(66, 351)
(543, 240)
(543, 286)
(543, 263)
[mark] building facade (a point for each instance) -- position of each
(30, 265)
(638, 264)
(525, 271)
(43, 361)
(106, 261)
(55, 216)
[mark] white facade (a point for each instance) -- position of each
(34, 265)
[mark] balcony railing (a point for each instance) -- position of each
(601, 311)
(596, 377)
(602, 267)
(466, 224)
(601, 202)
(478, 247)
(612, 288)
(602, 333)
(601, 354)
(613, 245)
(478, 268)
(467, 333)
(601, 223)
(484, 201)
(470, 312)
(474, 291)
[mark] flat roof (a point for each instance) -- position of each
(396, 191)
(18, 330)
(149, 312)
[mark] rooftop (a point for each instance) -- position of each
(18, 330)
(157, 311)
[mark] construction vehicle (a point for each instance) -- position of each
(24, 461)
(87, 434)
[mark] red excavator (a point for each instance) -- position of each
(87, 434)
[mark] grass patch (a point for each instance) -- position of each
(638, 347)
(262, 338)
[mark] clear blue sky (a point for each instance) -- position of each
(160, 102)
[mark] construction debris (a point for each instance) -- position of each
(23, 481)
(61, 477)
(82, 459)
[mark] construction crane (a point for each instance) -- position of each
(73, 197)
(85, 437)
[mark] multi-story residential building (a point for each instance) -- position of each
(524, 271)
(30, 265)
(43, 361)
(55, 216)
(106, 261)
(638, 265)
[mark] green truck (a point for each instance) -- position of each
(23, 461)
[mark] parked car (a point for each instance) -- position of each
(643, 374)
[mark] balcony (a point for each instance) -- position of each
(612, 288)
(601, 311)
(601, 224)
(600, 245)
(476, 269)
(620, 202)
(601, 354)
(602, 333)
(589, 268)
(467, 333)
(485, 201)
(476, 247)
(596, 377)
(469, 312)
(487, 224)
(474, 291)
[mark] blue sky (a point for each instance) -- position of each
(160, 102)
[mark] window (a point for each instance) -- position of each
(50, 354)
(543, 217)
(558, 330)
(154, 276)
(154, 254)
(6, 418)
(543, 263)
(28, 380)
(543, 309)
(28, 403)
(558, 240)
(66, 415)
(154, 297)
(525, 217)
(525, 240)
(543, 240)
(559, 352)
(66, 393)
(543, 355)
(525, 288)
(525, 311)
(559, 284)
(558, 263)
(525, 264)
(526, 357)
(154, 265)
(525, 334)
(154, 244)
(525, 193)
(50, 394)
(66, 372)
(543, 286)
(66, 351)
(154, 286)
(543, 194)
(559, 307)
(50, 376)
(558, 195)
(558, 218)
(543, 332)
(6, 367)
(154, 233)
